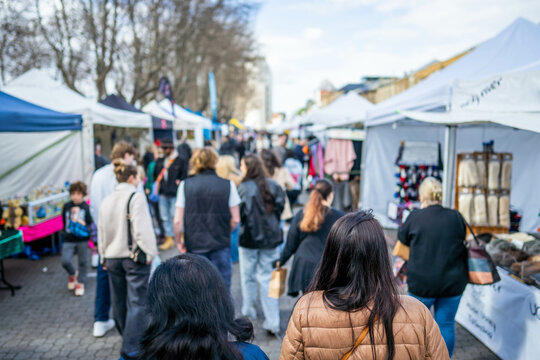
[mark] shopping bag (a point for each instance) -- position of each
(277, 282)
(401, 250)
(482, 270)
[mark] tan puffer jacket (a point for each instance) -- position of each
(317, 332)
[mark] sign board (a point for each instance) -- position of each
(504, 93)
(420, 153)
(504, 316)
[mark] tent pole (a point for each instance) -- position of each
(362, 203)
(449, 164)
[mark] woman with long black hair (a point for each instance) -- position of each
(307, 236)
(352, 308)
(191, 314)
(260, 235)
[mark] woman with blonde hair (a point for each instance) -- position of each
(207, 210)
(437, 266)
(226, 169)
(307, 236)
(124, 229)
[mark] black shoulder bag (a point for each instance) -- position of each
(137, 255)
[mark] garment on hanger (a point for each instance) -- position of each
(339, 159)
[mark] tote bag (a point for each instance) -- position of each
(482, 270)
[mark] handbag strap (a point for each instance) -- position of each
(361, 338)
(472, 232)
(130, 236)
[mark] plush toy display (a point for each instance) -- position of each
(13, 215)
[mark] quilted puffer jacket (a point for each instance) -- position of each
(317, 332)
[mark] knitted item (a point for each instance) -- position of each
(504, 211)
(493, 207)
(465, 206)
(479, 213)
(493, 173)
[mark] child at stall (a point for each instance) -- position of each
(77, 221)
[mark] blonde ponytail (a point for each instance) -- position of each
(314, 211)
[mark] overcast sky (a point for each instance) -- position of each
(308, 41)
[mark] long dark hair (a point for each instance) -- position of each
(314, 211)
(257, 173)
(191, 313)
(355, 273)
(270, 161)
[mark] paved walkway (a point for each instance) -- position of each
(44, 321)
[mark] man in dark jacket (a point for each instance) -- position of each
(207, 209)
(170, 170)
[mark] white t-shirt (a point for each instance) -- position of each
(234, 197)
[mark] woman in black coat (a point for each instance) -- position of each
(307, 236)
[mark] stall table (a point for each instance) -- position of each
(504, 316)
(10, 243)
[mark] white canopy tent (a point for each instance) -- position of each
(187, 120)
(487, 95)
(37, 87)
(348, 109)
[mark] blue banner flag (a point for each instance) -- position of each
(213, 95)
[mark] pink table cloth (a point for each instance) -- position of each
(46, 228)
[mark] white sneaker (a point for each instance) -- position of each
(102, 327)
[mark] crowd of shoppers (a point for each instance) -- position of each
(220, 209)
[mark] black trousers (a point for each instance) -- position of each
(129, 284)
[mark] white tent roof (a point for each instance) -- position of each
(154, 109)
(511, 99)
(516, 48)
(37, 87)
(185, 116)
(347, 109)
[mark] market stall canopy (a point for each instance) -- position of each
(516, 48)
(237, 124)
(39, 147)
(184, 115)
(118, 102)
(348, 109)
(154, 109)
(17, 115)
(511, 99)
(38, 87)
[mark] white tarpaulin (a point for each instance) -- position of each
(505, 316)
(510, 92)
(347, 109)
(53, 167)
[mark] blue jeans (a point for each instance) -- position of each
(167, 208)
(102, 305)
(222, 261)
(234, 245)
(445, 316)
(256, 269)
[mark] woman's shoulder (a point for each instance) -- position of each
(313, 299)
(250, 351)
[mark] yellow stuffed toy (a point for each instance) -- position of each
(13, 215)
